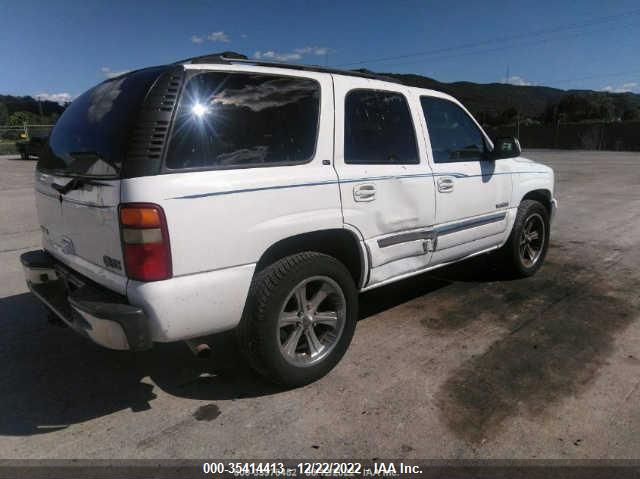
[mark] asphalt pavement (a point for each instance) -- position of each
(457, 363)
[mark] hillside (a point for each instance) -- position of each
(492, 103)
(30, 105)
(488, 100)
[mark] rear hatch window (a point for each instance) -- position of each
(91, 137)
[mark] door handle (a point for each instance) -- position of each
(365, 192)
(445, 185)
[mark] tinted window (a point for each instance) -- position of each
(91, 136)
(378, 129)
(454, 135)
(240, 119)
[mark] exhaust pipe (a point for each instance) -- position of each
(199, 349)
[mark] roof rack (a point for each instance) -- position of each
(233, 57)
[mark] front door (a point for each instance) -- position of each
(472, 192)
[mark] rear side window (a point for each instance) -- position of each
(454, 135)
(232, 120)
(91, 137)
(378, 129)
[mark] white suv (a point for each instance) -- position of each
(219, 193)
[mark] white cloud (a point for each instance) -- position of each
(516, 80)
(243, 35)
(61, 98)
(625, 87)
(312, 50)
(103, 98)
(197, 39)
(219, 37)
(276, 92)
(280, 57)
(109, 73)
(296, 54)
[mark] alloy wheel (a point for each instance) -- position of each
(311, 321)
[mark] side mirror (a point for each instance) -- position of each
(505, 147)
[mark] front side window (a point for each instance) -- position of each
(454, 136)
(378, 129)
(228, 120)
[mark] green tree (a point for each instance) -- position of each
(19, 118)
(631, 115)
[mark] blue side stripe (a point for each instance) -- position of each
(251, 190)
(334, 182)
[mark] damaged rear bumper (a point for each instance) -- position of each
(91, 310)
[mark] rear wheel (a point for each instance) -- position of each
(526, 249)
(299, 319)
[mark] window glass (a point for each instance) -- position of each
(244, 119)
(91, 136)
(454, 136)
(378, 129)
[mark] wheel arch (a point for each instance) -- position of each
(341, 243)
(541, 195)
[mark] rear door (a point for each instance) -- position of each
(78, 178)
(386, 185)
(472, 192)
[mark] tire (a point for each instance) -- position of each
(280, 341)
(517, 261)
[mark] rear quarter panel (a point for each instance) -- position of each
(223, 218)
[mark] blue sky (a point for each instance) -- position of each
(61, 48)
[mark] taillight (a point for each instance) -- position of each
(145, 242)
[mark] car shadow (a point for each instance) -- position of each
(487, 169)
(54, 378)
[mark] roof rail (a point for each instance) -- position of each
(233, 57)
(222, 57)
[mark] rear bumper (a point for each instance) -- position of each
(93, 311)
(194, 305)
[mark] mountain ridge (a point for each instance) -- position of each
(491, 103)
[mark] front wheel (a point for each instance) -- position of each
(299, 319)
(525, 250)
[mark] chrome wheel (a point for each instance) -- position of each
(311, 321)
(532, 240)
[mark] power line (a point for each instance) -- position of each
(499, 48)
(545, 31)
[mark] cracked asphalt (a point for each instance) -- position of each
(454, 364)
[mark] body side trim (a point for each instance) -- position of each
(406, 238)
(433, 234)
(466, 224)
